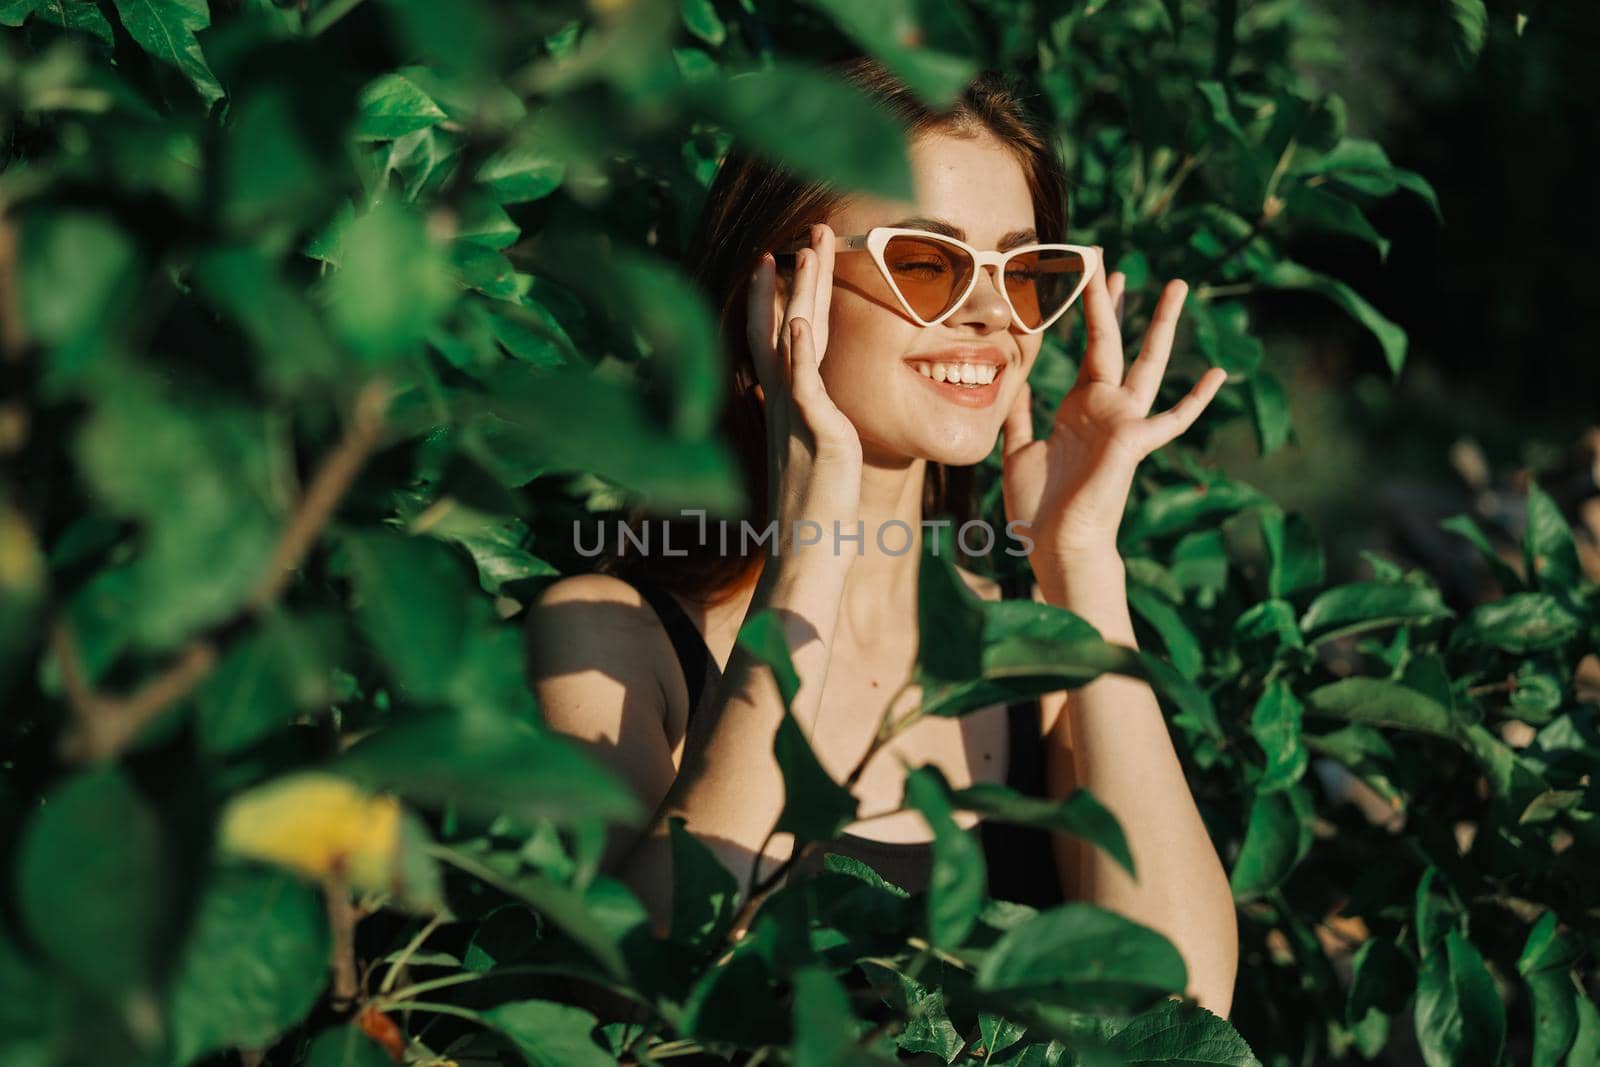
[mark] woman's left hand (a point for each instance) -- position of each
(1072, 486)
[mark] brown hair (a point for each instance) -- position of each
(754, 205)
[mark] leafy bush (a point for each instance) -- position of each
(311, 358)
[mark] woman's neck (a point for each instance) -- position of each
(880, 592)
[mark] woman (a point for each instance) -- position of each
(840, 354)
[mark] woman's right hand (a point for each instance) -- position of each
(813, 451)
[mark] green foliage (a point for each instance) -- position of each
(310, 328)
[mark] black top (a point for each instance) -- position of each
(1020, 859)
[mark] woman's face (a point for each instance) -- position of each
(874, 349)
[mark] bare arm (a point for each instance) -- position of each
(1111, 738)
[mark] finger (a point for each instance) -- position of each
(1144, 377)
(806, 383)
(826, 247)
(1118, 285)
(801, 295)
(760, 327)
(1018, 427)
(1102, 359)
(1171, 423)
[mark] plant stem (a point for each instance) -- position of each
(328, 14)
(393, 974)
(442, 1009)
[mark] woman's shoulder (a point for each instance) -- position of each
(595, 622)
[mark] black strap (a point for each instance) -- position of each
(1025, 718)
(699, 666)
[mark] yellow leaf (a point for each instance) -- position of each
(320, 825)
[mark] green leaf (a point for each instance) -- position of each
(956, 886)
(1359, 606)
(414, 603)
(815, 807)
(1460, 1020)
(1182, 1032)
(1288, 275)
(1221, 330)
(94, 833)
(705, 896)
(703, 21)
(1276, 839)
(1546, 965)
(1381, 703)
(1510, 581)
(521, 173)
(892, 31)
(537, 422)
(254, 964)
(1521, 623)
(1269, 411)
(1550, 555)
(78, 277)
(1026, 649)
(1275, 724)
(84, 17)
(1271, 621)
(1083, 957)
(1078, 814)
(282, 668)
(489, 764)
(818, 125)
(203, 557)
(165, 29)
(1364, 167)
(1317, 208)
(1382, 979)
(670, 315)
(825, 1031)
(346, 1046)
(1182, 507)
(549, 1034)
(763, 637)
(393, 286)
(1183, 648)
(596, 920)
(928, 1027)
(950, 618)
(393, 106)
(1471, 18)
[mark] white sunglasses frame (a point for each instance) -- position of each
(876, 240)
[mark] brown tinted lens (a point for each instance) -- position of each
(1040, 283)
(930, 274)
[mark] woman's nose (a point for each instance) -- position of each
(986, 305)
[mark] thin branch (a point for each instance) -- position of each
(342, 959)
(104, 725)
(1190, 163)
(332, 481)
(13, 337)
(393, 974)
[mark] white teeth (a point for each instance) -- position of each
(975, 374)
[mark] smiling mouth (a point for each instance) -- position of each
(961, 383)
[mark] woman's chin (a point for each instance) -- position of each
(959, 450)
